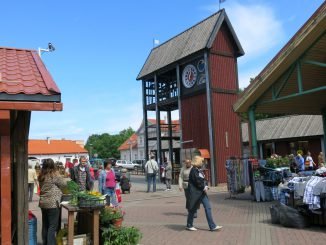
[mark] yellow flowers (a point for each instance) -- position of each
(95, 193)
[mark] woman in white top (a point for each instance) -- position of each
(311, 162)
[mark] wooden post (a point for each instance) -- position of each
(20, 121)
(146, 156)
(5, 177)
(96, 226)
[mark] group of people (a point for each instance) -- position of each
(300, 163)
(192, 181)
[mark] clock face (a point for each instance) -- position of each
(189, 76)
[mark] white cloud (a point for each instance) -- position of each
(256, 25)
(246, 75)
(257, 28)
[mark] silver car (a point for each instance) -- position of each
(126, 164)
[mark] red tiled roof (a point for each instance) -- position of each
(23, 72)
(175, 124)
(41, 147)
(126, 144)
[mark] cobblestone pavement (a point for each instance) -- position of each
(161, 217)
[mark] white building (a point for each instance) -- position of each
(59, 150)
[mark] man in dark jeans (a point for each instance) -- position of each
(151, 169)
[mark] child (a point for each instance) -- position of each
(124, 181)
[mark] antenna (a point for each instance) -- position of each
(50, 48)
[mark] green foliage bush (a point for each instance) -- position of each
(122, 236)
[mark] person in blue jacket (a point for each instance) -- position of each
(300, 162)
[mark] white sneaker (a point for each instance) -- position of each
(218, 227)
(191, 228)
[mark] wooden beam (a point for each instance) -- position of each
(5, 180)
(19, 135)
(31, 106)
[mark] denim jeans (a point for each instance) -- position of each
(111, 198)
(30, 191)
(168, 183)
(50, 222)
(151, 178)
(208, 212)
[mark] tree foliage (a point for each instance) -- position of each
(106, 145)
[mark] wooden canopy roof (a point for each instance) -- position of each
(192, 40)
(294, 81)
(25, 83)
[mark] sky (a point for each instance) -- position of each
(101, 46)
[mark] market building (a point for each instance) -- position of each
(25, 86)
(286, 135)
(293, 82)
(195, 72)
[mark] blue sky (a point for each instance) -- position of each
(101, 46)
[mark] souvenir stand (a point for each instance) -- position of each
(239, 175)
(307, 194)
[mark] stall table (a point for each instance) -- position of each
(95, 218)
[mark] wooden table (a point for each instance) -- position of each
(95, 218)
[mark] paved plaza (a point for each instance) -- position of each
(161, 217)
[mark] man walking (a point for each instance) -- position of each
(151, 168)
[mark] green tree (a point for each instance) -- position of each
(106, 145)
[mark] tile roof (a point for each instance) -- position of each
(126, 144)
(192, 40)
(164, 126)
(286, 127)
(42, 147)
(23, 72)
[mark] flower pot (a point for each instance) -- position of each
(117, 223)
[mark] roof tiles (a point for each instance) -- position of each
(44, 147)
(23, 72)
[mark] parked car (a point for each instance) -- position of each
(140, 163)
(126, 164)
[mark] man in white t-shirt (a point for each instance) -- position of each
(151, 168)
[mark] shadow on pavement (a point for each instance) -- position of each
(176, 227)
(174, 214)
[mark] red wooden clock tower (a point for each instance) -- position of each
(195, 72)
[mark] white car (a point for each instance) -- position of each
(126, 164)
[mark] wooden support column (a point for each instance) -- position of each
(170, 136)
(146, 155)
(20, 121)
(323, 113)
(253, 135)
(211, 131)
(158, 123)
(179, 107)
(5, 177)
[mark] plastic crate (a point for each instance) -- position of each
(91, 203)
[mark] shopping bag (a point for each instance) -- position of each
(35, 189)
(118, 192)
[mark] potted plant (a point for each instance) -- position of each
(111, 216)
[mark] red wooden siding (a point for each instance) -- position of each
(223, 76)
(223, 72)
(225, 121)
(194, 121)
(224, 41)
